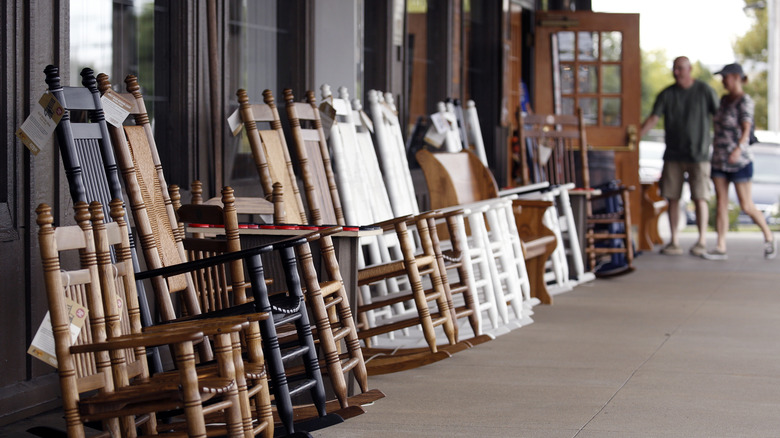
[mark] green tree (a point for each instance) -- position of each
(751, 48)
(656, 75)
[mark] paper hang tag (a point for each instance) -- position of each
(328, 117)
(434, 137)
(40, 124)
(115, 107)
(43, 345)
(544, 154)
(367, 121)
(440, 123)
(234, 122)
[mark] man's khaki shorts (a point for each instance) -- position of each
(673, 176)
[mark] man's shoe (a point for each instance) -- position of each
(672, 249)
(770, 249)
(715, 255)
(698, 250)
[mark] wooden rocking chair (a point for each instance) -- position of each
(89, 163)
(327, 300)
(162, 241)
(94, 373)
(562, 139)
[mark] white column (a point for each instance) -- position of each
(773, 91)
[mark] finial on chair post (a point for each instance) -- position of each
(44, 216)
(325, 91)
(357, 105)
(344, 93)
(243, 98)
(52, 77)
(268, 98)
(88, 79)
(82, 212)
(104, 84)
(311, 98)
(196, 190)
(131, 83)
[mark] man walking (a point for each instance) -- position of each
(687, 107)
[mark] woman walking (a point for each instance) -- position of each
(732, 161)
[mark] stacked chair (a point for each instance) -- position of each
(94, 371)
(364, 198)
(565, 269)
(312, 161)
(506, 260)
(140, 178)
(609, 245)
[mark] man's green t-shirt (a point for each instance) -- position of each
(686, 113)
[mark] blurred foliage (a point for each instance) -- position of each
(750, 50)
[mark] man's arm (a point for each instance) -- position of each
(648, 124)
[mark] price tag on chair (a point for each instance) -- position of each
(115, 108)
(39, 125)
(43, 345)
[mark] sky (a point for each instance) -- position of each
(699, 29)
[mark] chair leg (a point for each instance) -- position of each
(272, 350)
(303, 329)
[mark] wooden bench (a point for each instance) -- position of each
(653, 204)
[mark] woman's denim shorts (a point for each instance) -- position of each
(742, 175)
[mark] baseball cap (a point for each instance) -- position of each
(731, 69)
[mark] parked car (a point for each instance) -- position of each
(766, 178)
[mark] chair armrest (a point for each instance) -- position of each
(174, 336)
(389, 224)
(234, 315)
(524, 189)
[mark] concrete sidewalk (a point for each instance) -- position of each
(683, 347)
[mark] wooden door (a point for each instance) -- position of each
(592, 61)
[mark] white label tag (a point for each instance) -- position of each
(234, 122)
(115, 108)
(544, 154)
(40, 124)
(43, 345)
(328, 117)
(440, 123)
(434, 137)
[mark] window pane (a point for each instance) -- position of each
(567, 79)
(611, 79)
(567, 106)
(611, 111)
(588, 46)
(590, 110)
(588, 79)
(90, 39)
(611, 46)
(566, 46)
